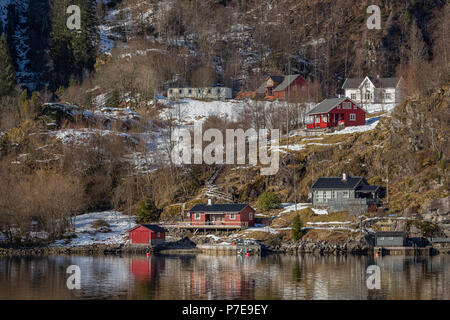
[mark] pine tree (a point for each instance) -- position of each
(7, 75)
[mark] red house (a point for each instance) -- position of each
(148, 234)
(336, 112)
(281, 87)
(222, 216)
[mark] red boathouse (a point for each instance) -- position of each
(148, 234)
(336, 112)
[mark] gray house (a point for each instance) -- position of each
(390, 239)
(353, 194)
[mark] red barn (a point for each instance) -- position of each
(149, 234)
(222, 215)
(280, 87)
(335, 112)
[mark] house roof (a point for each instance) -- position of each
(287, 82)
(337, 183)
(219, 207)
(354, 83)
(152, 227)
(277, 79)
(386, 82)
(326, 105)
(390, 234)
(262, 88)
(367, 188)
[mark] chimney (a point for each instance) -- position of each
(210, 202)
(344, 177)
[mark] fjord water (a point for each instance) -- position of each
(224, 277)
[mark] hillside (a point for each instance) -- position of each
(93, 130)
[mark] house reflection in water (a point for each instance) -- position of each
(145, 269)
(226, 284)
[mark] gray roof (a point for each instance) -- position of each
(337, 183)
(219, 207)
(390, 234)
(286, 82)
(367, 188)
(262, 88)
(278, 79)
(326, 105)
(386, 82)
(354, 83)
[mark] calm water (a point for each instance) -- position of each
(224, 277)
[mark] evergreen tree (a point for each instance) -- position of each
(297, 228)
(73, 52)
(268, 200)
(7, 75)
(148, 212)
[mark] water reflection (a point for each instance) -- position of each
(224, 277)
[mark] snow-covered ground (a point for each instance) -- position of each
(86, 235)
(290, 207)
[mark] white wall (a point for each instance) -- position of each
(216, 93)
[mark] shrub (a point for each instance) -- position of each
(268, 200)
(114, 100)
(297, 228)
(100, 223)
(148, 212)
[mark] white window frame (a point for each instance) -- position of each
(346, 105)
(352, 116)
(250, 216)
(197, 216)
(232, 216)
(353, 96)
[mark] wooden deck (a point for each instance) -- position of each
(193, 226)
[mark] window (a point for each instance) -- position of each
(387, 96)
(353, 96)
(190, 91)
(318, 120)
(158, 234)
(180, 90)
(345, 194)
(352, 116)
(250, 216)
(209, 91)
(199, 91)
(218, 90)
(347, 105)
(367, 85)
(232, 216)
(339, 106)
(368, 96)
(324, 118)
(170, 91)
(197, 216)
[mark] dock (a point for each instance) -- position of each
(403, 251)
(222, 249)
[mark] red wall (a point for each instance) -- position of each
(243, 216)
(143, 235)
(294, 88)
(359, 121)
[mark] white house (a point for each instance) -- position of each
(373, 90)
(215, 93)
